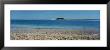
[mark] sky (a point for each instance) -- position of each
(53, 14)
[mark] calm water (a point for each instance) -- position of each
(58, 24)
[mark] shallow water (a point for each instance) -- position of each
(57, 24)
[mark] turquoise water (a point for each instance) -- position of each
(57, 24)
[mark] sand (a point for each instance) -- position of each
(53, 34)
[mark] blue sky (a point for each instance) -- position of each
(53, 14)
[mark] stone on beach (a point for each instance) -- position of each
(53, 34)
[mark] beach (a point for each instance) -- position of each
(55, 25)
(53, 34)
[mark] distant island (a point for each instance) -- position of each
(59, 18)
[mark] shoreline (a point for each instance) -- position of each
(53, 34)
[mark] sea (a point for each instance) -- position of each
(84, 24)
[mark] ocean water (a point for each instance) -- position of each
(85, 24)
